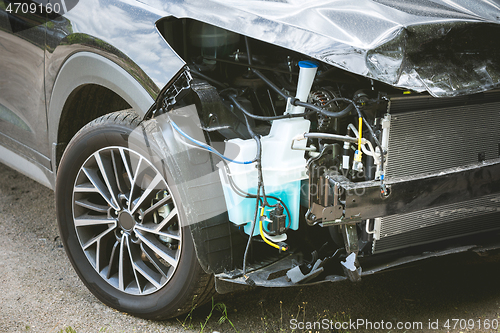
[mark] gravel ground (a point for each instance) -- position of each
(41, 292)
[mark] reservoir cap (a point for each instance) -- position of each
(308, 64)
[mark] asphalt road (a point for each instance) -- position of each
(40, 292)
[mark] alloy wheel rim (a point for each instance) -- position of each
(126, 220)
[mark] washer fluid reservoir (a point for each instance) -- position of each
(283, 168)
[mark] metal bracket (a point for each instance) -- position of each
(324, 195)
(376, 228)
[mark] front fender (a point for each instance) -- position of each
(89, 68)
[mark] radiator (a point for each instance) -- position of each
(427, 136)
(445, 222)
(432, 139)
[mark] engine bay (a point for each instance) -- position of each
(311, 158)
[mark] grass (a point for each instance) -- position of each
(220, 307)
(216, 308)
(275, 316)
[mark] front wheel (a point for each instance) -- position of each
(121, 224)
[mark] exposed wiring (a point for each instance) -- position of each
(238, 191)
(260, 185)
(231, 182)
(207, 147)
(358, 154)
(270, 84)
(261, 197)
(257, 196)
(244, 194)
(383, 187)
(294, 101)
(245, 276)
(324, 112)
(264, 118)
(258, 158)
(370, 151)
(360, 136)
(247, 195)
(326, 136)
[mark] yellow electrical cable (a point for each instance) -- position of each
(360, 133)
(358, 154)
(264, 237)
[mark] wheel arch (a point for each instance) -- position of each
(87, 86)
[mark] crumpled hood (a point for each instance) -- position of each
(446, 47)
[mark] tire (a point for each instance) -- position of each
(120, 225)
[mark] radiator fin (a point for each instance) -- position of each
(433, 224)
(428, 141)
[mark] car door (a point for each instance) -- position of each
(23, 123)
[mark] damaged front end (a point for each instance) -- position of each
(293, 171)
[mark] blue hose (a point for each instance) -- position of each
(206, 147)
